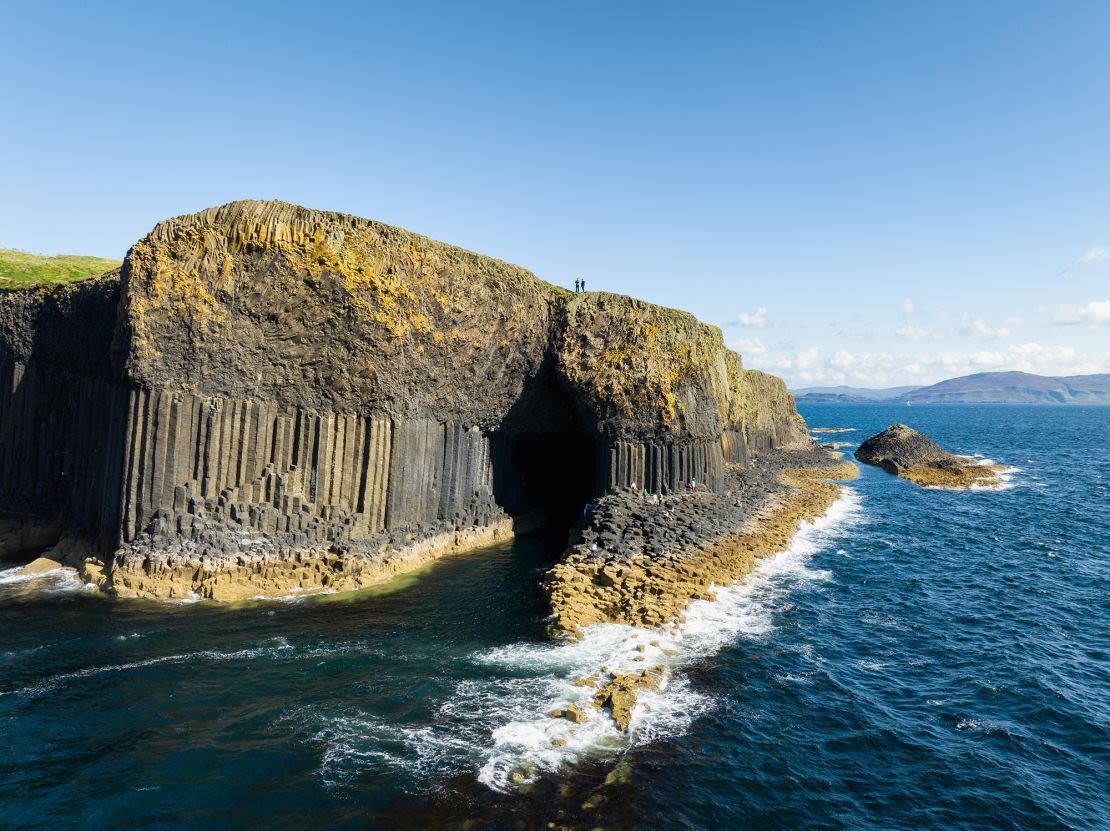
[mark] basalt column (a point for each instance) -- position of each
(262, 381)
(320, 476)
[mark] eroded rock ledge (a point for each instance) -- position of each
(905, 452)
(651, 562)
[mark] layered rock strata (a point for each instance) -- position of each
(905, 452)
(268, 399)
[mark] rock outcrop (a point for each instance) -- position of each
(903, 451)
(266, 398)
(641, 563)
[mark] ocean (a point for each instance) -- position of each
(922, 659)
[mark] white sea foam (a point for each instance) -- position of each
(501, 725)
(56, 580)
(523, 747)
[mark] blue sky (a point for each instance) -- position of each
(863, 193)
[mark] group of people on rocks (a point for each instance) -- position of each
(656, 498)
(579, 285)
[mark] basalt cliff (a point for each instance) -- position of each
(266, 399)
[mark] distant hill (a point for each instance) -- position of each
(20, 270)
(848, 395)
(980, 388)
(1014, 388)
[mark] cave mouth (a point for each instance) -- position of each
(549, 477)
(545, 458)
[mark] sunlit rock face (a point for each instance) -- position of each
(262, 380)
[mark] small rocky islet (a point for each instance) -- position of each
(903, 451)
(266, 400)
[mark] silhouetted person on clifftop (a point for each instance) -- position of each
(577, 286)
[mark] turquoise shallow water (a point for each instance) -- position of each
(921, 659)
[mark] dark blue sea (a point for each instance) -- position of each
(918, 659)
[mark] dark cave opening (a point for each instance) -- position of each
(545, 458)
(547, 479)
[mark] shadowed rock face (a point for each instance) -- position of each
(262, 379)
(900, 446)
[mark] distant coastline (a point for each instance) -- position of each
(980, 388)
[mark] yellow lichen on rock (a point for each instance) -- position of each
(302, 573)
(903, 451)
(966, 474)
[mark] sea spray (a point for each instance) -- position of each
(524, 748)
(501, 725)
(55, 580)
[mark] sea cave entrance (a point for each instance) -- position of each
(545, 458)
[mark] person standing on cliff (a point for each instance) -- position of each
(577, 286)
(583, 285)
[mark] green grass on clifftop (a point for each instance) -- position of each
(20, 270)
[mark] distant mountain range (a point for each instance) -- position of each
(980, 388)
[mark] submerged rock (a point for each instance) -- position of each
(903, 451)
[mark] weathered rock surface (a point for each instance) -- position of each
(267, 398)
(901, 450)
(619, 693)
(640, 562)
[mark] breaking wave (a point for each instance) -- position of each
(501, 726)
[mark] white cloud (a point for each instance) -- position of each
(981, 329)
(748, 347)
(1089, 257)
(1092, 256)
(757, 319)
(911, 331)
(908, 306)
(877, 369)
(1095, 313)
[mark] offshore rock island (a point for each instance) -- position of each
(903, 451)
(266, 400)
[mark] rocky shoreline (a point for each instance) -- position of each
(299, 573)
(652, 559)
(185, 573)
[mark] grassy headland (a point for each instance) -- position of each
(20, 270)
